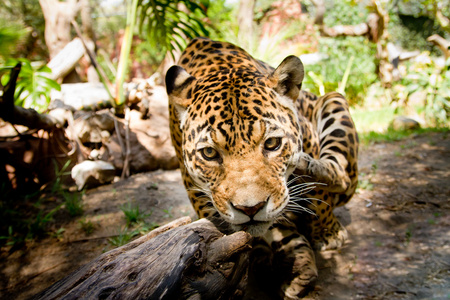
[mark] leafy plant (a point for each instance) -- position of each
(270, 46)
(59, 174)
(346, 12)
(167, 27)
(435, 83)
(58, 234)
(145, 228)
(168, 212)
(33, 85)
(135, 218)
(350, 68)
(132, 213)
(123, 237)
(87, 226)
(365, 184)
(411, 22)
(11, 239)
(37, 226)
(73, 202)
(10, 36)
(222, 15)
(25, 15)
(376, 119)
(125, 234)
(408, 234)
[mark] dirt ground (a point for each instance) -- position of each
(398, 223)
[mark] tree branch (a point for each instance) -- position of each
(442, 43)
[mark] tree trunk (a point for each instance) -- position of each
(320, 11)
(89, 38)
(245, 21)
(176, 261)
(58, 16)
(385, 67)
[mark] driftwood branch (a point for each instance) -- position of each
(66, 59)
(345, 30)
(339, 30)
(177, 261)
(442, 43)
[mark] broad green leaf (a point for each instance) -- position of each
(33, 86)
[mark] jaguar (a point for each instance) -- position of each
(259, 154)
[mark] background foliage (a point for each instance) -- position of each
(167, 25)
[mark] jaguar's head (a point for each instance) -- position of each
(240, 138)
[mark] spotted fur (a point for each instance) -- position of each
(258, 154)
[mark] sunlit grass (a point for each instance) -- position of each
(391, 135)
(372, 120)
(373, 126)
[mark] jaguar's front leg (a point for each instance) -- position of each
(294, 258)
(326, 170)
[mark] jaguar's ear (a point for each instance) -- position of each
(178, 89)
(288, 77)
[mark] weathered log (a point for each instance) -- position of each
(176, 261)
(66, 59)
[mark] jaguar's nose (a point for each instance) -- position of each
(250, 210)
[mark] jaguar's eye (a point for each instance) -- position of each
(209, 153)
(272, 143)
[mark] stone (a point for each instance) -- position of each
(93, 173)
(404, 123)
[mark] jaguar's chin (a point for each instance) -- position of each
(254, 228)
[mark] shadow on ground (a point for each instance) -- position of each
(398, 223)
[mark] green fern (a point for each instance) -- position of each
(33, 85)
(168, 26)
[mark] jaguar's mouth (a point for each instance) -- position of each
(254, 228)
